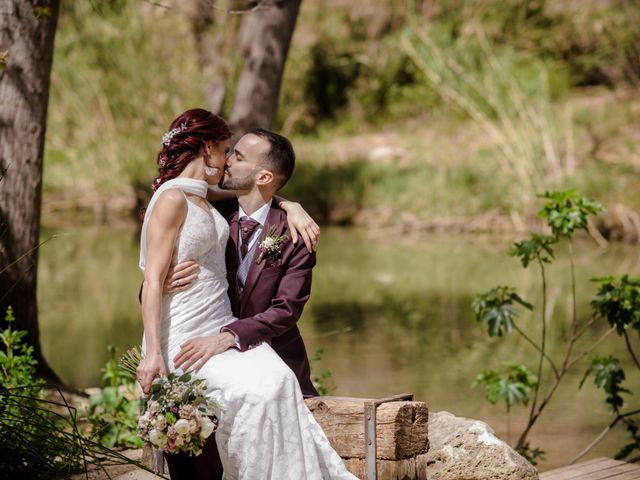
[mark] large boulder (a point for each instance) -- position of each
(467, 449)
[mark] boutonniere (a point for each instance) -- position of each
(271, 244)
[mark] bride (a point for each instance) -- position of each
(265, 430)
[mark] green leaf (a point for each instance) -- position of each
(496, 308)
(609, 376)
(532, 454)
(618, 300)
(566, 212)
(536, 247)
(170, 417)
(513, 385)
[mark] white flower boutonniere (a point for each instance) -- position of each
(271, 244)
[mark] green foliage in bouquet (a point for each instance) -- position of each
(113, 413)
(176, 415)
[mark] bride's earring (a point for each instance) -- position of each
(210, 171)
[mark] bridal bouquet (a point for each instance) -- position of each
(175, 415)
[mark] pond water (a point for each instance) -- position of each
(391, 312)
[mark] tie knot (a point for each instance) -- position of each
(247, 227)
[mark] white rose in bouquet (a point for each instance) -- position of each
(206, 427)
(144, 423)
(153, 407)
(158, 438)
(194, 426)
(182, 426)
(161, 422)
(187, 411)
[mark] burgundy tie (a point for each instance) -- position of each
(247, 227)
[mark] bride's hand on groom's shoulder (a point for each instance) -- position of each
(301, 224)
(180, 277)
(150, 367)
(194, 353)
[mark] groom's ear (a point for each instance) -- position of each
(265, 177)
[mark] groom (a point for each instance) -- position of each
(269, 276)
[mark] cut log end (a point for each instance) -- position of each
(401, 431)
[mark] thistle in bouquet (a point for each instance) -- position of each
(176, 414)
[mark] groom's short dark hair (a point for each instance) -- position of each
(280, 159)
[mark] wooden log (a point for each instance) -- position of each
(414, 468)
(401, 427)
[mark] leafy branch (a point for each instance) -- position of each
(617, 301)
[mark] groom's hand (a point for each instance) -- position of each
(180, 277)
(198, 350)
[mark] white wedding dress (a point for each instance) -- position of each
(265, 430)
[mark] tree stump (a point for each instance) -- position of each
(401, 435)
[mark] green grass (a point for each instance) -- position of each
(118, 80)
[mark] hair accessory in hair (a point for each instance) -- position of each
(166, 138)
(163, 161)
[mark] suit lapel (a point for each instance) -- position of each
(231, 256)
(233, 229)
(273, 218)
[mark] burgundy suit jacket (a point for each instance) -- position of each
(275, 293)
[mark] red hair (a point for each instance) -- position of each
(193, 128)
(190, 131)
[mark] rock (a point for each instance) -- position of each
(467, 449)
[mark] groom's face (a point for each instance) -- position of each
(243, 164)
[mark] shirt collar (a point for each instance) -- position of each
(259, 215)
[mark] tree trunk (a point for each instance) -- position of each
(212, 52)
(266, 34)
(27, 31)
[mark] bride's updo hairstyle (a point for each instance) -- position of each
(186, 136)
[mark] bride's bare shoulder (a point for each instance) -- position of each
(171, 203)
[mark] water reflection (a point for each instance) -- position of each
(392, 313)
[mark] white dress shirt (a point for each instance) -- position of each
(259, 216)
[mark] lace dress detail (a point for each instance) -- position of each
(265, 430)
(205, 307)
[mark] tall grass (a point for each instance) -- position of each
(40, 440)
(414, 76)
(508, 96)
(122, 71)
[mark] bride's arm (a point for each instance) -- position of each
(167, 217)
(300, 223)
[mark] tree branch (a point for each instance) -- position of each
(633, 355)
(543, 340)
(584, 328)
(601, 435)
(591, 348)
(538, 348)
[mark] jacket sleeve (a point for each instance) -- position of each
(286, 306)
